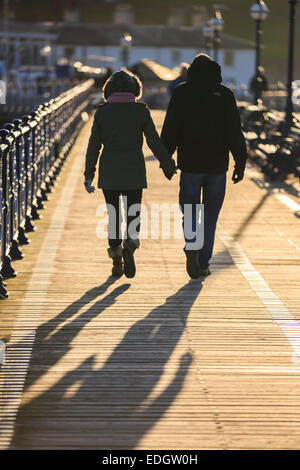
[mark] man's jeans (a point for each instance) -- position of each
(209, 190)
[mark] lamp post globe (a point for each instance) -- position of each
(207, 31)
(217, 24)
(126, 40)
(259, 11)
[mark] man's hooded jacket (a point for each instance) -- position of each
(203, 122)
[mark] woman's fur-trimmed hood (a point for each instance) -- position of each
(123, 81)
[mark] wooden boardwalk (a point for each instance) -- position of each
(158, 361)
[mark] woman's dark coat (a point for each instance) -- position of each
(203, 122)
(119, 128)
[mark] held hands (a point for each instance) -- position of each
(88, 186)
(170, 172)
(238, 175)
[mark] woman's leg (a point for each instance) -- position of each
(112, 199)
(132, 202)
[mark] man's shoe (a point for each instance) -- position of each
(116, 255)
(128, 257)
(204, 272)
(192, 264)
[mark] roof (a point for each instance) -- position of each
(143, 35)
(151, 70)
(34, 30)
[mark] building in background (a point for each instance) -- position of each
(28, 45)
(100, 45)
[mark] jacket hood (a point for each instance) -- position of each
(123, 81)
(204, 73)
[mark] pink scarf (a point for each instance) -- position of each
(121, 97)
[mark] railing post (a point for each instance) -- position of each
(22, 238)
(3, 291)
(29, 227)
(14, 177)
(7, 271)
(35, 141)
(39, 158)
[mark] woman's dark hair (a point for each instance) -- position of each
(204, 72)
(123, 81)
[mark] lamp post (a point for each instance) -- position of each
(45, 53)
(125, 43)
(217, 25)
(208, 35)
(259, 12)
(5, 39)
(290, 77)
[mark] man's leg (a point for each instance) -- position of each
(189, 195)
(189, 200)
(214, 187)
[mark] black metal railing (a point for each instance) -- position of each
(32, 152)
(23, 98)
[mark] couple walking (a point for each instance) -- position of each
(202, 123)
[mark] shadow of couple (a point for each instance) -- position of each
(115, 405)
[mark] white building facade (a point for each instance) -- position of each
(100, 45)
(167, 45)
(237, 65)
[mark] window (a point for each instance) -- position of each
(176, 56)
(229, 58)
(69, 51)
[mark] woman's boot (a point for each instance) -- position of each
(116, 255)
(129, 247)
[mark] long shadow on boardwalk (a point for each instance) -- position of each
(108, 407)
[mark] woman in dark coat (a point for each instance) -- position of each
(203, 124)
(119, 126)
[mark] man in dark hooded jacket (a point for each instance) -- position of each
(203, 124)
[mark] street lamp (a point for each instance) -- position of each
(259, 12)
(125, 43)
(5, 38)
(289, 103)
(45, 53)
(217, 25)
(208, 35)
